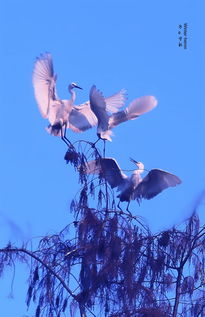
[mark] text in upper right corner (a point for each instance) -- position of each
(182, 35)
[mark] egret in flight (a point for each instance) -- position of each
(134, 187)
(60, 113)
(106, 122)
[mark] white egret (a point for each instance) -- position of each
(106, 122)
(57, 111)
(98, 106)
(63, 114)
(82, 116)
(133, 187)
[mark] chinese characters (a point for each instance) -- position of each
(182, 35)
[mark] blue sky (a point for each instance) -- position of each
(113, 44)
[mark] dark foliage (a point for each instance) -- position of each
(112, 264)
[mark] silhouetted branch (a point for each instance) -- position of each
(113, 261)
(31, 254)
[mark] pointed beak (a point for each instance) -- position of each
(133, 161)
(78, 87)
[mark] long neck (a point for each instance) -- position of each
(135, 178)
(73, 95)
(136, 172)
(140, 169)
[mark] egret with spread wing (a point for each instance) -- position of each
(133, 187)
(85, 116)
(64, 114)
(57, 111)
(106, 122)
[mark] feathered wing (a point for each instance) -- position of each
(109, 169)
(154, 183)
(82, 118)
(93, 167)
(98, 106)
(116, 101)
(112, 172)
(136, 108)
(44, 83)
(90, 114)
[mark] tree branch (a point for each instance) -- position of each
(31, 254)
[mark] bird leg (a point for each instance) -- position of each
(93, 144)
(64, 138)
(64, 135)
(128, 208)
(104, 148)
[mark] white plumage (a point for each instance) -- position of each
(134, 187)
(106, 122)
(60, 113)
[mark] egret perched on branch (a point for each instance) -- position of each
(57, 111)
(106, 122)
(133, 187)
(64, 114)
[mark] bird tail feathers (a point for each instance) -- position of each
(55, 130)
(140, 106)
(106, 135)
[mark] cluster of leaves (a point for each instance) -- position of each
(107, 263)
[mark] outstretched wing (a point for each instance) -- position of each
(93, 112)
(116, 101)
(113, 103)
(136, 108)
(98, 106)
(44, 83)
(109, 169)
(154, 183)
(93, 167)
(82, 118)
